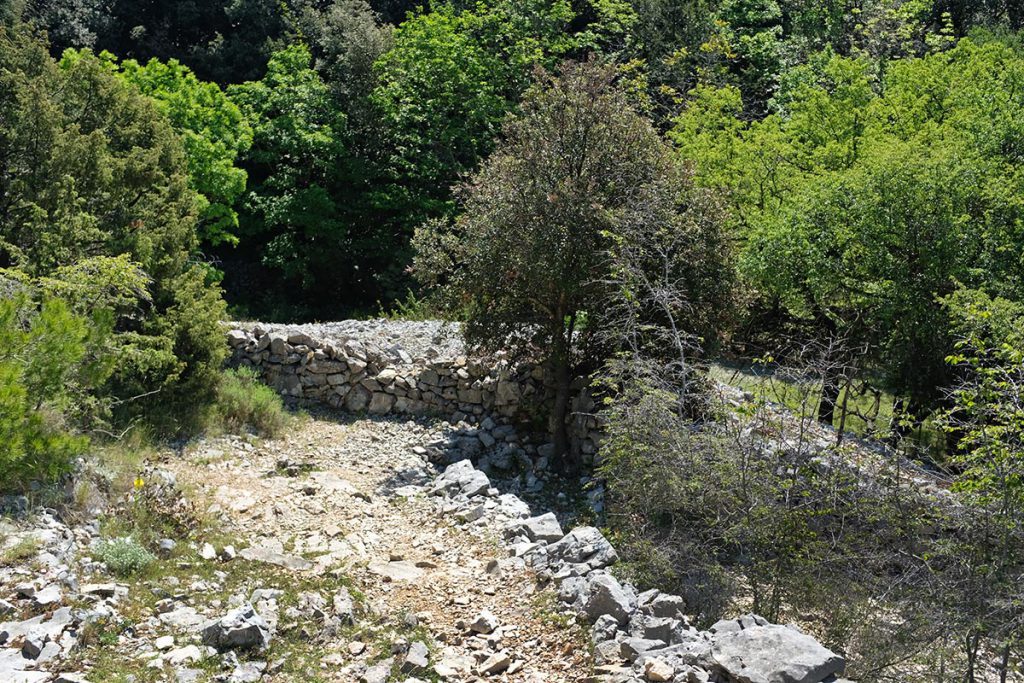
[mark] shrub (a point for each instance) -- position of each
(123, 556)
(48, 358)
(243, 402)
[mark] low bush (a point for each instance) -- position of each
(243, 402)
(124, 556)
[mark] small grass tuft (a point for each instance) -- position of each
(19, 552)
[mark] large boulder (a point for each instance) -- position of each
(605, 595)
(241, 628)
(583, 545)
(750, 650)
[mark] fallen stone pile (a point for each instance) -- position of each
(637, 636)
(37, 629)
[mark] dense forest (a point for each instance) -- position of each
(826, 193)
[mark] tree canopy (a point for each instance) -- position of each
(531, 258)
(92, 168)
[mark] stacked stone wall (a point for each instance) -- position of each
(345, 373)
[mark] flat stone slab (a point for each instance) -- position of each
(183, 617)
(396, 571)
(271, 556)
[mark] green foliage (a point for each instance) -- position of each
(49, 359)
(581, 198)
(211, 127)
(410, 308)
(987, 421)
(123, 556)
(449, 79)
(986, 408)
(226, 41)
(865, 200)
(346, 39)
(441, 96)
(298, 143)
(94, 170)
(102, 283)
(244, 402)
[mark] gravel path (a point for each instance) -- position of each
(356, 505)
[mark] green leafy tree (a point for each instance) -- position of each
(213, 131)
(865, 200)
(92, 168)
(441, 97)
(296, 163)
(347, 38)
(578, 175)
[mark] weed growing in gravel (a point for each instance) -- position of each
(123, 556)
(19, 552)
(243, 402)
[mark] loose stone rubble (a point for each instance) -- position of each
(645, 636)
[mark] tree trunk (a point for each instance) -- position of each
(971, 650)
(559, 412)
(561, 360)
(1004, 663)
(830, 390)
(843, 412)
(831, 375)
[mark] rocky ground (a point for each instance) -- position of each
(355, 549)
(353, 572)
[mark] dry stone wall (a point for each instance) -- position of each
(412, 376)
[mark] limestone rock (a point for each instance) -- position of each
(495, 664)
(771, 653)
(658, 670)
(462, 477)
(378, 673)
(240, 628)
(540, 528)
(416, 659)
(272, 556)
(605, 596)
(485, 623)
(396, 571)
(583, 545)
(48, 596)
